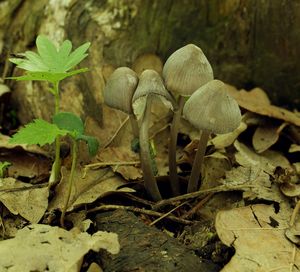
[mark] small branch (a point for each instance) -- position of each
(142, 211)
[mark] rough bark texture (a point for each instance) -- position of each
(145, 248)
(249, 43)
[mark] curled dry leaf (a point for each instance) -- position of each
(257, 101)
(243, 227)
(87, 188)
(265, 136)
(24, 199)
(46, 248)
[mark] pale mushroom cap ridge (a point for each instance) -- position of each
(212, 108)
(186, 70)
(120, 88)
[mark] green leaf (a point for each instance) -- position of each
(48, 53)
(50, 59)
(37, 132)
(77, 56)
(48, 76)
(92, 142)
(69, 121)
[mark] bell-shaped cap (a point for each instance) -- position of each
(186, 70)
(212, 108)
(150, 83)
(120, 88)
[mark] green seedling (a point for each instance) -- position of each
(3, 166)
(64, 124)
(51, 64)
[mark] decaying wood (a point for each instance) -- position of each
(145, 248)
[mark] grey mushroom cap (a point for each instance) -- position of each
(120, 88)
(212, 108)
(150, 83)
(186, 70)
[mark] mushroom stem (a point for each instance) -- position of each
(149, 178)
(196, 170)
(134, 125)
(172, 147)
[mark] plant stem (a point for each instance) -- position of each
(172, 148)
(196, 169)
(149, 178)
(70, 183)
(134, 125)
(55, 172)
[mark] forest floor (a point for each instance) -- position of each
(243, 218)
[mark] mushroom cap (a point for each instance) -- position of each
(186, 70)
(212, 108)
(120, 88)
(147, 61)
(150, 83)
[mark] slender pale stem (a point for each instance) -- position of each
(134, 125)
(70, 183)
(149, 178)
(55, 173)
(196, 170)
(172, 148)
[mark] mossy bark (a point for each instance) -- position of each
(249, 43)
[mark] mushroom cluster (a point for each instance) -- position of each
(186, 73)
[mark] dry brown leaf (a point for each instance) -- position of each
(257, 183)
(267, 160)
(294, 148)
(265, 136)
(46, 248)
(225, 140)
(24, 199)
(86, 189)
(122, 160)
(258, 235)
(257, 101)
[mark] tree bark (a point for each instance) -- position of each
(249, 43)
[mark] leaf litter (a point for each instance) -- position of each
(250, 160)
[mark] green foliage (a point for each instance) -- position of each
(72, 123)
(51, 63)
(3, 166)
(38, 132)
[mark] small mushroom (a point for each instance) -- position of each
(149, 89)
(184, 72)
(119, 91)
(211, 110)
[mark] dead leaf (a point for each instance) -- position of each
(267, 160)
(224, 140)
(258, 235)
(257, 101)
(265, 136)
(122, 160)
(46, 248)
(95, 184)
(24, 199)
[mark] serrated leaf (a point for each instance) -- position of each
(92, 142)
(38, 132)
(69, 121)
(77, 56)
(48, 53)
(48, 76)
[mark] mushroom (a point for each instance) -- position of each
(119, 91)
(149, 89)
(211, 110)
(184, 72)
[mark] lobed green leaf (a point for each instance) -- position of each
(38, 132)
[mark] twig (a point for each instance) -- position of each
(116, 132)
(138, 210)
(166, 214)
(222, 188)
(197, 207)
(294, 214)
